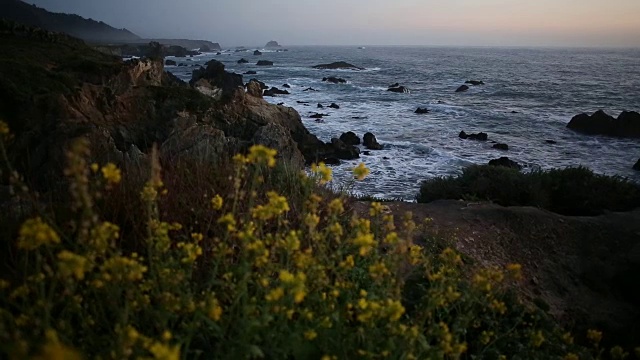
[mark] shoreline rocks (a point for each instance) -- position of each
(505, 162)
(421, 111)
(397, 88)
(370, 142)
(636, 166)
(479, 136)
(264, 63)
(600, 123)
(243, 61)
(334, 80)
(504, 147)
(338, 65)
(462, 88)
(474, 82)
(350, 138)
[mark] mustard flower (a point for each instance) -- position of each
(360, 172)
(35, 233)
(375, 209)
(275, 294)
(4, 129)
(571, 356)
(53, 349)
(121, 268)
(70, 264)
(310, 335)
(260, 154)
(217, 202)
(594, 335)
(215, 310)
(323, 171)
(164, 352)
(537, 338)
(111, 173)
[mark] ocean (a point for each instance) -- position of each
(528, 98)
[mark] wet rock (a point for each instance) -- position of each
(250, 72)
(397, 88)
(318, 115)
(243, 61)
(350, 138)
(272, 45)
(366, 153)
(505, 162)
(334, 80)
(302, 102)
(422, 110)
(275, 91)
(286, 86)
(637, 165)
(501, 146)
(344, 151)
(218, 53)
(257, 53)
(320, 106)
(462, 88)
(552, 142)
(264, 63)
(309, 89)
(334, 106)
(474, 82)
(600, 123)
(338, 65)
(331, 161)
(479, 136)
(170, 62)
(370, 142)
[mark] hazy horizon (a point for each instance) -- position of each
(546, 23)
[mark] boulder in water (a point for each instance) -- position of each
(170, 62)
(257, 52)
(320, 106)
(600, 123)
(275, 91)
(264, 63)
(350, 138)
(637, 165)
(334, 106)
(370, 142)
(505, 162)
(243, 61)
(398, 89)
(318, 115)
(462, 88)
(422, 110)
(250, 72)
(272, 45)
(309, 89)
(474, 82)
(501, 146)
(334, 80)
(479, 136)
(338, 65)
(344, 151)
(286, 86)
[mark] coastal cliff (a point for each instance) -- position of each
(55, 88)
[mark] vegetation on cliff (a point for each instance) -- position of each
(570, 191)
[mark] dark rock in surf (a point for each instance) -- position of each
(479, 136)
(350, 138)
(309, 89)
(637, 165)
(272, 45)
(422, 110)
(214, 77)
(275, 91)
(474, 82)
(170, 62)
(243, 61)
(257, 53)
(398, 89)
(600, 123)
(334, 106)
(551, 142)
(250, 72)
(264, 63)
(338, 65)
(286, 86)
(320, 106)
(334, 80)
(344, 151)
(318, 115)
(370, 142)
(501, 146)
(505, 162)
(462, 88)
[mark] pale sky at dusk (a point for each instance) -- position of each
(372, 22)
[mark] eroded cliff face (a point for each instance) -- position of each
(124, 108)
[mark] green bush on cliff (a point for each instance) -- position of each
(570, 191)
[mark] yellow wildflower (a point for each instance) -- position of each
(498, 306)
(375, 209)
(215, 311)
(111, 173)
(94, 168)
(618, 352)
(286, 276)
(121, 268)
(415, 254)
(277, 205)
(571, 356)
(53, 349)
(594, 335)
(365, 242)
(360, 172)
(34, 233)
(515, 271)
(260, 154)
(71, 264)
(323, 171)
(336, 206)
(537, 338)
(275, 294)
(4, 129)
(217, 202)
(310, 335)
(348, 263)
(165, 352)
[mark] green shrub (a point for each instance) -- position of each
(570, 191)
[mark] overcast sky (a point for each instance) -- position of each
(372, 22)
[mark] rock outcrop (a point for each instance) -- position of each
(474, 82)
(272, 45)
(397, 88)
(479, 136)
(422, 110)
(370, 142)
(501, 146)
(257, 53)
(600, 123)
(636, 166)
(243, 61)
(462, 88)
(334, 80)
(338, 65)
(350, 138)
(505, 162)
(124, 108)
(170, 62)
(264, 63)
